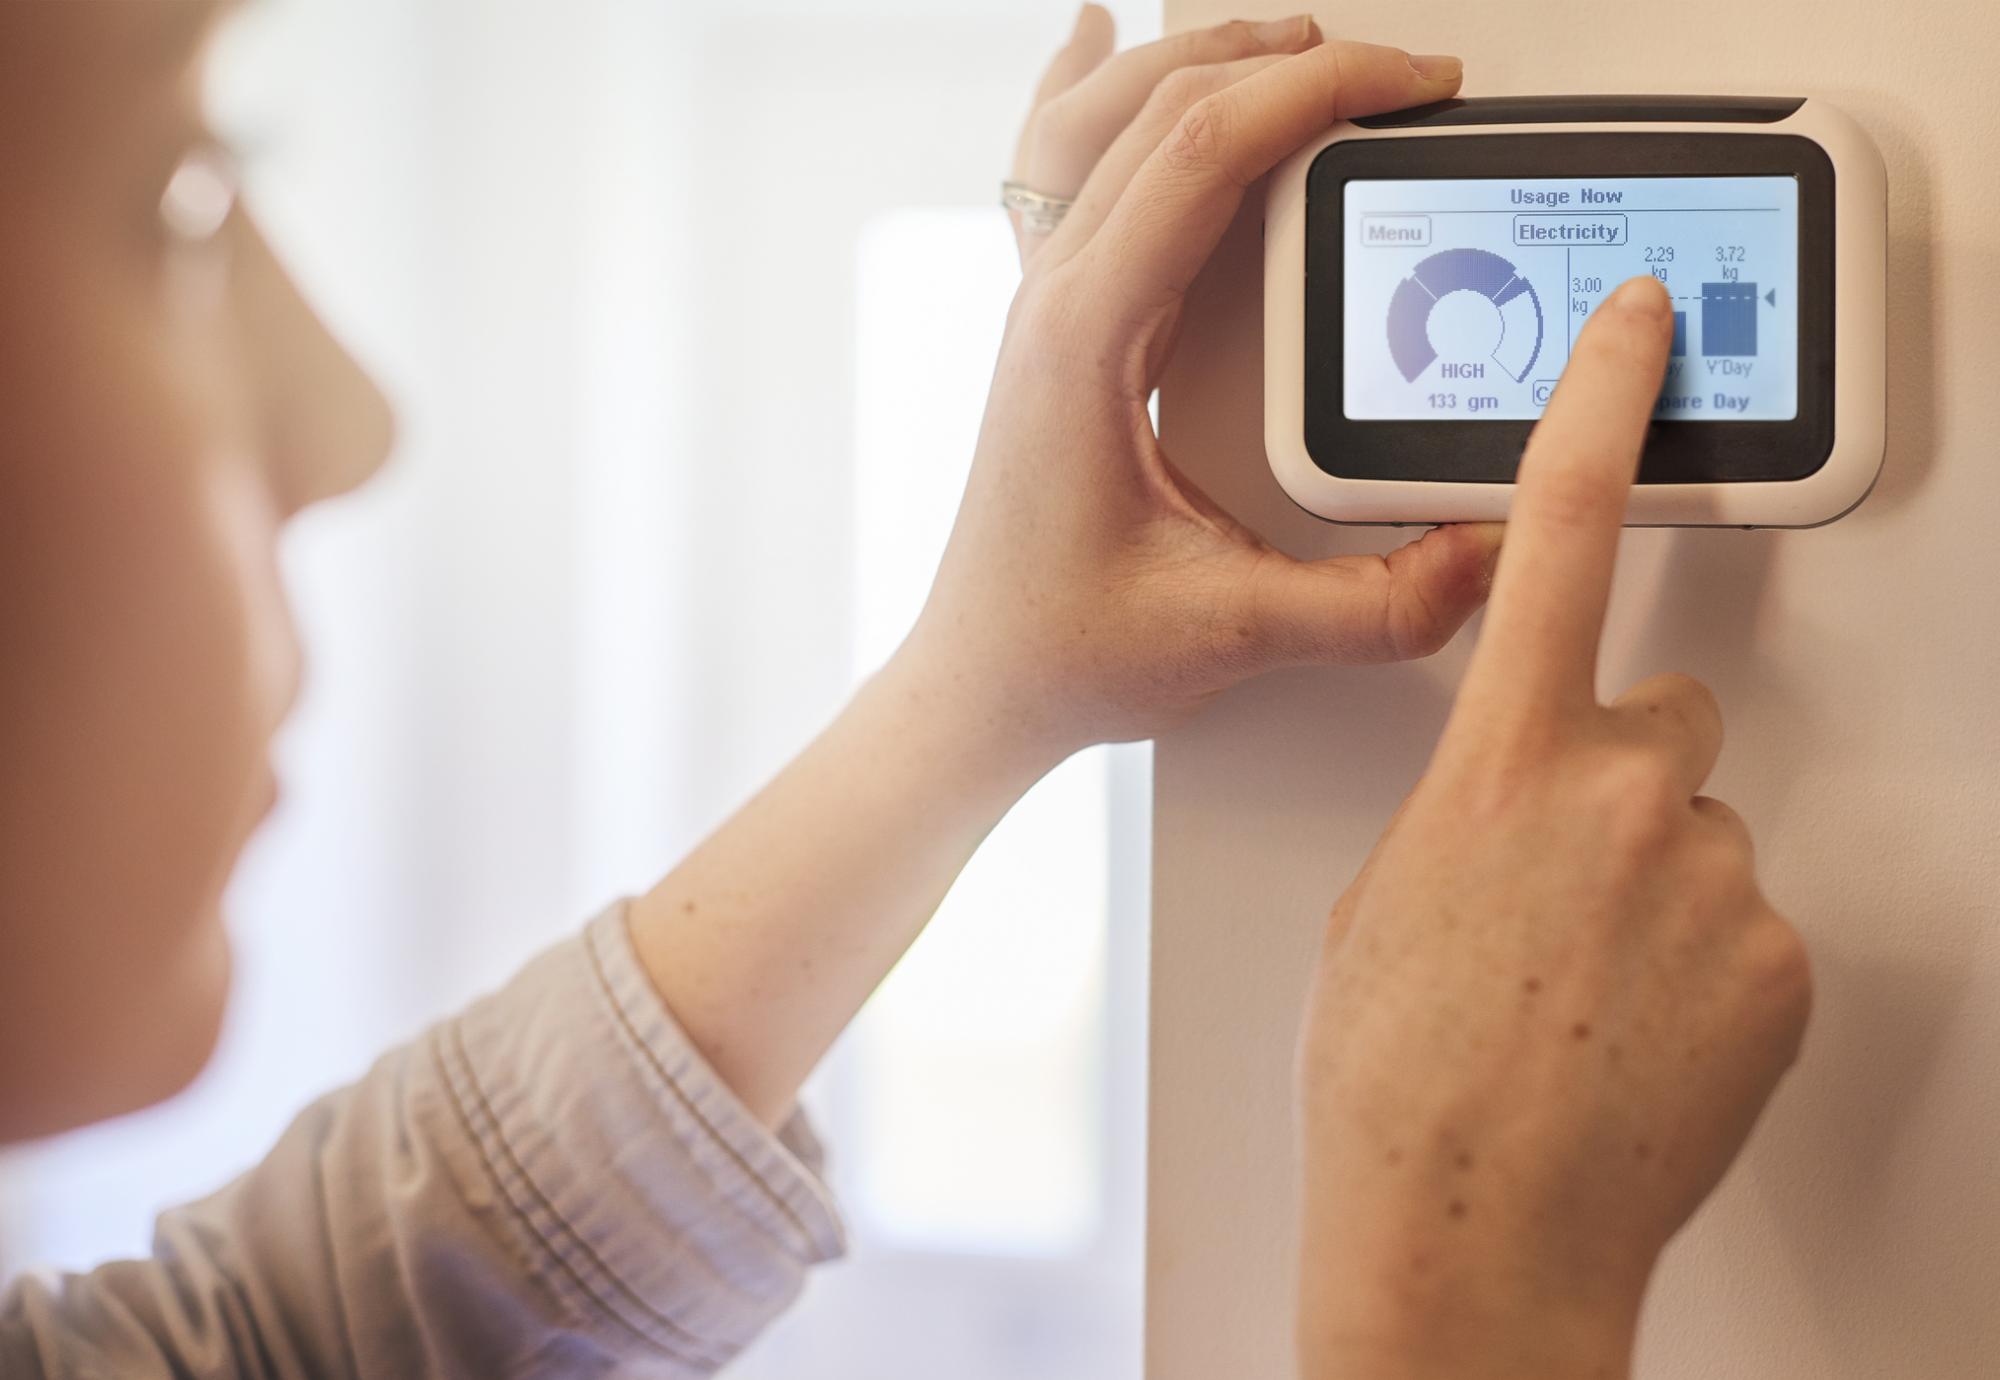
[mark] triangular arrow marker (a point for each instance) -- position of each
(1772, 297)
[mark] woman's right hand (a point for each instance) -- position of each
(1554, 1002)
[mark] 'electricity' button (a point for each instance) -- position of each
(1569, 230)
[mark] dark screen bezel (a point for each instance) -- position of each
(1488, 451)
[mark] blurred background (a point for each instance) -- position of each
(689, 313)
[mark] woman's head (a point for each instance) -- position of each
(167, 402)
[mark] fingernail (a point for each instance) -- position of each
(1492, 533)
(1283, 33)
(1645, 296)
(1436, 66)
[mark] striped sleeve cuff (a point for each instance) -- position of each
(648, 1196)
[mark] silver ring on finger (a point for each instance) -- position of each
(1040, 213)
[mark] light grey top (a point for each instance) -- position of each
(552, 1183)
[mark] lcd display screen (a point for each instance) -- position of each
(1462, 297)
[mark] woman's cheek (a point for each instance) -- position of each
(150, 663)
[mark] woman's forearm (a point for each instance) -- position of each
(766, 941)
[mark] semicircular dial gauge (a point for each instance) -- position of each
(1479, 271)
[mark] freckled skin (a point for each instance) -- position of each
(1559, 843)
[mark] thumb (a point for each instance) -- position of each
(1361, 610)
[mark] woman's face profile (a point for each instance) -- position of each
(167, 401)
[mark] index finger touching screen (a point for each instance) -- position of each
(1554, 578)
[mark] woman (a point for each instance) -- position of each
(600, 1167)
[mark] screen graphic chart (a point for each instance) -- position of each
(1477, 271)
(1463, 296)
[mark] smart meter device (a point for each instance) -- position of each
(1426, 273)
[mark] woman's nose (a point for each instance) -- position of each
(326, 426)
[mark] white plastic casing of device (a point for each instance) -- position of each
(1860, 249)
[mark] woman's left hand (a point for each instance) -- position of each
(1090, 592)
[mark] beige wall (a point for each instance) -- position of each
(1859, 666)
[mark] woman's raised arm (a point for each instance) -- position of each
(1089, 592)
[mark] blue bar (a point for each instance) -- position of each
(1680, 345)
(1729, 318)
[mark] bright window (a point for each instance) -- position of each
(976, 1066)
